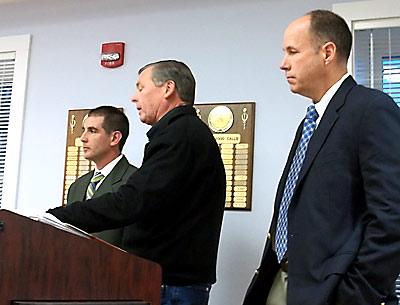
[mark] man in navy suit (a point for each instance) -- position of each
(341, 228)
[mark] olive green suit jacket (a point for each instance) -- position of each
(117, 177)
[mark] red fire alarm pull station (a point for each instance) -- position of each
(112, 54)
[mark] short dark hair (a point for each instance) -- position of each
(328, 26)
(114, 120)
(176, 71)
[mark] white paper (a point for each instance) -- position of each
(50, 219)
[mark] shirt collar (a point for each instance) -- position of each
(326, 98)
(106, 170)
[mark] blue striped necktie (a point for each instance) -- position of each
(281, 235)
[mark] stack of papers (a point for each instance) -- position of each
(55, 222)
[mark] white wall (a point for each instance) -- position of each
(234, 50)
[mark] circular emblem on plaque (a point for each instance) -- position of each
(220, 119)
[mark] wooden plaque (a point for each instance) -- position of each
(233, 127)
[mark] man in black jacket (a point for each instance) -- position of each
(176, 198)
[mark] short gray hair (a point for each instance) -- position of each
(176, 71)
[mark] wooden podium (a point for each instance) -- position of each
(40, 264)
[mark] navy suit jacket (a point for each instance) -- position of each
(344, 217)
(118, 176)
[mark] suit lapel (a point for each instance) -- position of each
(82, 187)
(113, 178)
(282, 181)
(326, 124)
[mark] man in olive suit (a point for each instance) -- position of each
(105, 131)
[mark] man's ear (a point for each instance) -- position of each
(116, 137)
(170, 88)
(329, 51)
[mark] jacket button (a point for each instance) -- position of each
(269, 235)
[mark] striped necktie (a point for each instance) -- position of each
(97, 177)
(282, 225)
